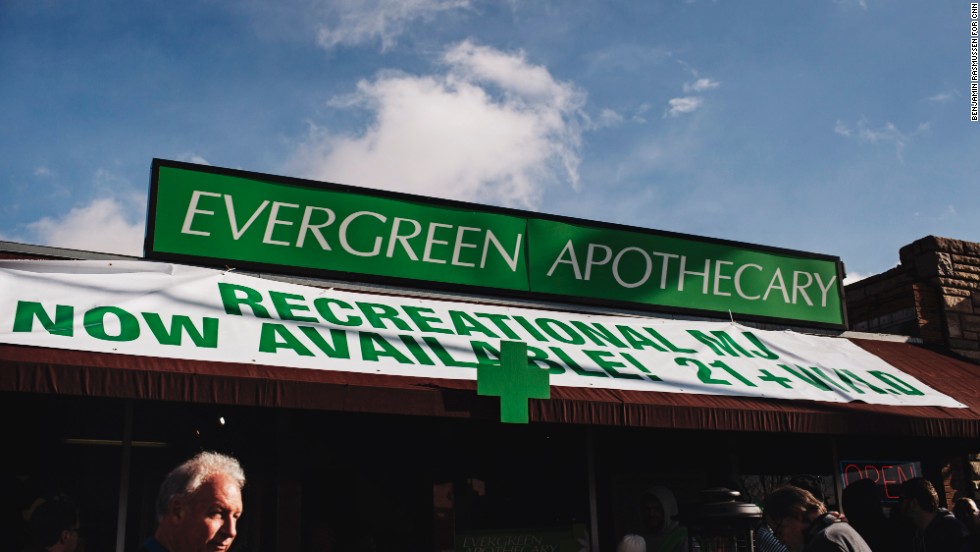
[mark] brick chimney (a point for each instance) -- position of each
(934, 294)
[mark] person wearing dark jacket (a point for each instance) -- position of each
(801, 521)
(937, 529)
(965, 510)
(862, 503)
(53, 525)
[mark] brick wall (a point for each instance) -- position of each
(884, 303)
(934, 294)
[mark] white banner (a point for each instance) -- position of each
(174, 311)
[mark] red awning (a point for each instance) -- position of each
(43, 370)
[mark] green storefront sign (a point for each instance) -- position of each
(651, 269)
(222, 216)
(574, 538)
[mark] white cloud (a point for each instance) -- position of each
(639, 115)
(493, 128)
(701, 85)
(42, 172)
(863, 4)
(887, 134)
(943, 97)
(626, 58)
(510, 72)
(947, 214)
(686, 104)
(113, 223)
(855, 277)
(609, 118)
(192, 158)
(101, 225)
(359, 21)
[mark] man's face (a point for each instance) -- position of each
(906, 507)
(207, 519)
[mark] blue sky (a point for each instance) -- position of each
(839, 127)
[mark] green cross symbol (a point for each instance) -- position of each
(514, 381)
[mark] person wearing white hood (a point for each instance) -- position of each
(662, 532)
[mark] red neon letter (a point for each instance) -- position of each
(869, 469)
(886, 481)
(848, 469)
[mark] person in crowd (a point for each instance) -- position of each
(765, 539)
(198, 506)
(812, 483)
(660, 531)
(937, 529)
(965, 510)
(53, 526)
(861, 501)
(801, 521)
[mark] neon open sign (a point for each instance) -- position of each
(887, 475)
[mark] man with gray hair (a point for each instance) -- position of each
(198, 506)
(632, 543)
